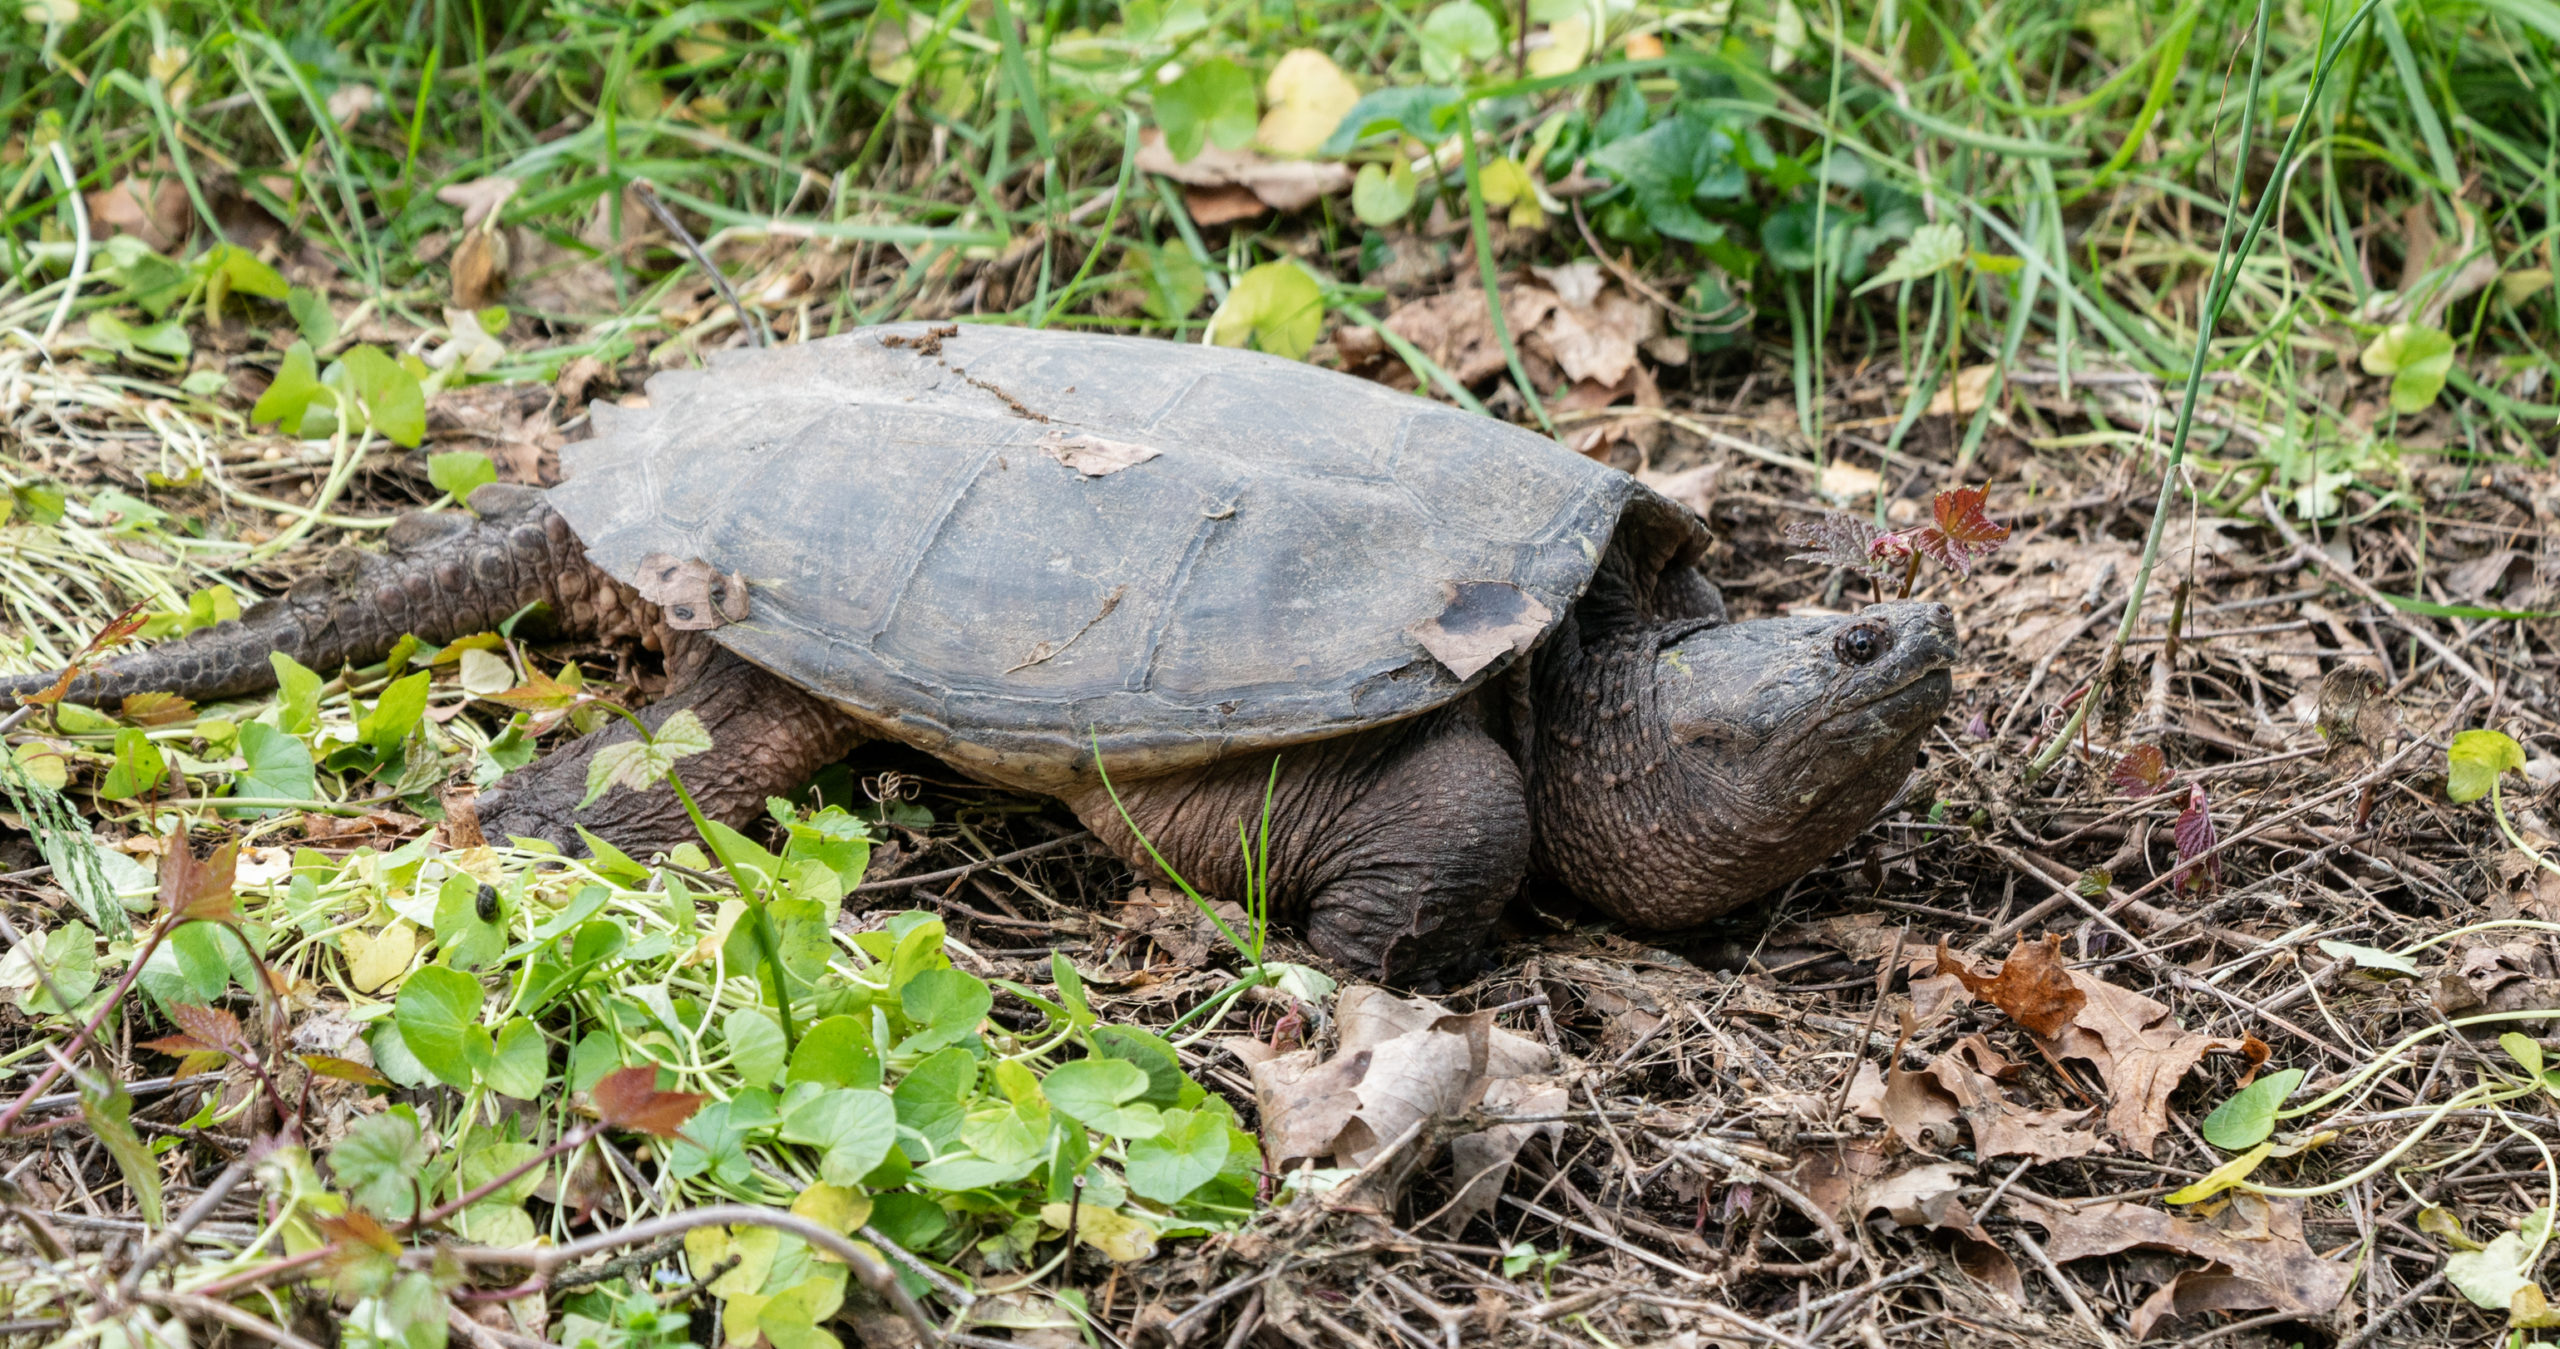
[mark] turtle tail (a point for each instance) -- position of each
(441, 577)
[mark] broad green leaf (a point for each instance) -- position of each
(393, 403)
(458, 473)
(2369, 958)
(312, 316)
(931, 1098)
(108, 1109)
(1930, 250)
(1383, 194)
(381, 1162)
(836, 1052)
(242, 273)
(1455, 33)
(436, 1009)
(396, 714)
(852, 1129)
(2523, 1050)
(946, 1005)
(1688, 157)
(163, 344)
(1424, 112)
(682, 735)
(2474, 763)
(1103, 1094)
(1213, 102)
(190, 966)
(1187, 1154)
(139, 766)
(756, 1049)
(2416, 357)
(1167, 1086)
(297, 695)
(278, 768)
(715, 1139)
(2249, 1116)
(70, 957)
(468, 939)
(517, 1062)
(1276, 307)
(1170, 282)
(492, 1160)
(296, 387)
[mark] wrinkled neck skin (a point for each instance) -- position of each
(1680, 769)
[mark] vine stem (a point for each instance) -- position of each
(2227, 262)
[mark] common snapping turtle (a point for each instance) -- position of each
(1475, 655)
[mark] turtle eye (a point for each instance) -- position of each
(1862, 644)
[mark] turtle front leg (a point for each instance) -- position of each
(1394, 851)
(767, 739)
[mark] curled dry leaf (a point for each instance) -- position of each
(1092, 455)
(1282, 184)
(1482, 622)
(629, 1098)
(1404, 1062)
(2258, 1259)
(2032, 985)
(1455, 329)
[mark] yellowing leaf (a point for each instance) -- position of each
(1506, 183)
(45, 764)
(1568, 43)
(836, 1207)
(376, 959)
(1308, 95)
(2222, 1177)
(2475, 761)
(1119, 1237)
(2417, 358)
(1276, 307)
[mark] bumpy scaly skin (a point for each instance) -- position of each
(1394, 850)
(441, 577)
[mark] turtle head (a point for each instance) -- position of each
(1743, 757)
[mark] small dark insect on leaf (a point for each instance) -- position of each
(195, 890)
(1836, 540)
(345, 1070)
(2195, 836)
(117, 632)
(485, 904)
(156, 709)
(1962, 533)
(2144, 769)
(629, 1099)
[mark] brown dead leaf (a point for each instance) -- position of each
(1962, 396)
(1455, 329)
(1595, 330)
(1281, 184)
(2032, 986)
(1092, 455)
(1924, 1196)
(479, 197)
(479, 269)
(2259, 1260)
(1832, 1176)
(1402, 1062)
(152, 208)
(1223, 205)
(1482, 622)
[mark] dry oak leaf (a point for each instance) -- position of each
(155, 210)
(1281, 184)
(2033, 986)
(1455, 328)
(1595, 330)
(1403, 1062)
(2139, 1050)
(2259, 1260)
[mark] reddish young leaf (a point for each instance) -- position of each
(1836, 540)
(1961, 534)
(156, 709)
(2144, 769)
(361, 1250)
(210, 1027)
(117, 632)
(178, 1045)
(2195, 836)
(630, 1099)
(345, 1070)
(198, 890)
(540, 693)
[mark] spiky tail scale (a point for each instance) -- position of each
(441, 577)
